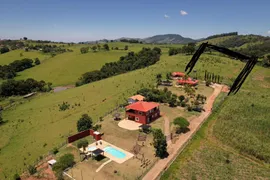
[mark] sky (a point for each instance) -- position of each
(83, 20)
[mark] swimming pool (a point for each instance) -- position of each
(114, 152)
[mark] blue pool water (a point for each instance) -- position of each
(114, 152)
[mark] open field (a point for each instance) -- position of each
(234, 142)
(15, 55)
(36, 125)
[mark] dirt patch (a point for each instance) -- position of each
(62, 88)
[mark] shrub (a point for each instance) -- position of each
(97, 127)
(82, 143)
(55, 150)
(31, 169)
(181, 123)
(207, 83)
(181, 98)
(183, 104)
(64, 162)
(159, 142)
(37, 61)
(64, 106)
(16, 177)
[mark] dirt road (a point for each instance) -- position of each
(174, 149)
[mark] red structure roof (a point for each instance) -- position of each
(178, 74)
(142, 106)
(188, 81)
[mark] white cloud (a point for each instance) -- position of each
(166, 16)
(268, 32)
(183, 13)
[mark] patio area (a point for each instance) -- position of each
(108, 150)
(129, 125)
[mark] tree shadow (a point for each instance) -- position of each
(182, 130)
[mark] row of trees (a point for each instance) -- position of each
(130, 62)
(130, 41)
(94, 48)
(9, 71)
(47, 48)
(116, 48)
(211, 77)
(22, 87)
(187, 49)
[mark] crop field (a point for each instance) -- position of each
(34, 126)
(234, 143)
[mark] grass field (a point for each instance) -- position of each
(15, 55)
(234, 143)
(36, 125)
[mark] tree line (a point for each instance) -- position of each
(12, 87)
(10, 71)
(45, 48)
(130, 62)
(131, 41)
(105, 47)
(222, 35)
(186, 49)
(211, 77)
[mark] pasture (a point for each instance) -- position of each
(35, 125)
(234, 142)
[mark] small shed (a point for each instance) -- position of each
(51, 163)
(135, 98)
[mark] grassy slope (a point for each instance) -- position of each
(234, 133)
(37, 121)
(15, 55)
(216, 40)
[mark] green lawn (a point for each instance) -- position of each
(36, 125)
(235, 141)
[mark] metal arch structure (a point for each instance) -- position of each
(251, 62)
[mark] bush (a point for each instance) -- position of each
(55, 150)
(82, 143)
(208, 83)
(31, 169)
(181, 123)
(64, 162)
(37, 61)
(181, 98)
(159, 142)
(16, 177)
(97, 127)
(183, 104)
(64, 106)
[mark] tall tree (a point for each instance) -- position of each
(84, 123)
(126, 47)
(106, 47)
(159, 142)
(181, 123)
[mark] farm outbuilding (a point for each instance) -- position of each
(143, 112)
(189, 81)
(135, 98)
(178, 74)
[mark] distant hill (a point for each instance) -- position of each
(168, 39)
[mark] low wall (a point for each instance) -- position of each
(78, 136)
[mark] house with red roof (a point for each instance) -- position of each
(178, 74)
(143, 112)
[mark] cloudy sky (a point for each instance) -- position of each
(91, 20)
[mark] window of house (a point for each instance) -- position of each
(137, 119)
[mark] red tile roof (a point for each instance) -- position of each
(178, 74)
(142, 106)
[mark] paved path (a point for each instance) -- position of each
(174, 149)
(167, 130)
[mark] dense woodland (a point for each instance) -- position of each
(21, 87)
(130, 62)
(9, 71)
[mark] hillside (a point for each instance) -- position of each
(168, 39)
(38, 120)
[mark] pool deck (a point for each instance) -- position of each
(104, 144)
